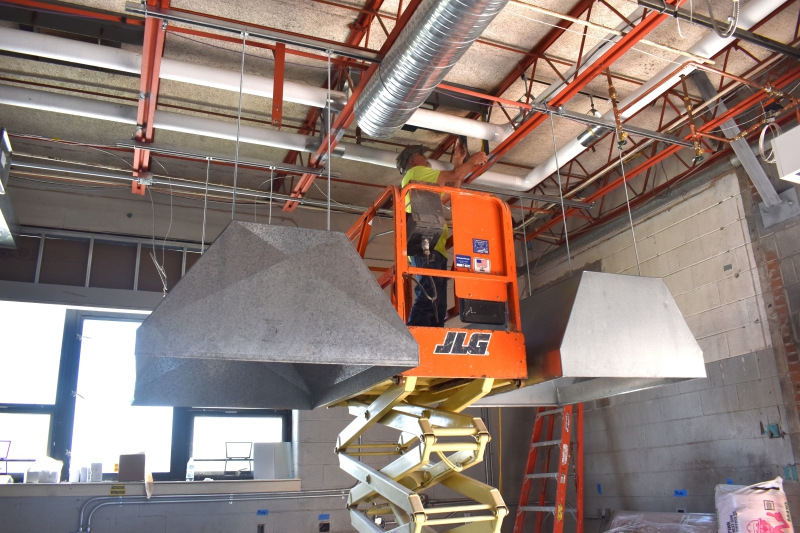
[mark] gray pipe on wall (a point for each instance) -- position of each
(200, 498)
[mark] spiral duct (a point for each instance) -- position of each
(436, 37)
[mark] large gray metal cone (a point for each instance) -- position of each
(271, 317)
(596, 335)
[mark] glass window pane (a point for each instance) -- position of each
(218, 437)
(31, 356)
(28, 434)
(106, 425)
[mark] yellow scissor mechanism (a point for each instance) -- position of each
(435, 445)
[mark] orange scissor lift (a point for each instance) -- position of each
(457, 366)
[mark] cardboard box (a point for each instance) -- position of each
(131, 467)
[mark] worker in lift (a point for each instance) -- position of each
(430, 293)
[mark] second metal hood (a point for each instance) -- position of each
(596, 335)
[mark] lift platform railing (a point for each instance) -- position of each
(482, 230)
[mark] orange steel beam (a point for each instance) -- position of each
(277, 90)
(522, 67)
(708, 126)
(645, 26)
(358, 30)
(338, 128)
(347, 115)
(152, 50)
(342, 61)
(268, 28)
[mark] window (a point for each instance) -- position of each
(32, 353)
(222, 440)
(66, 388)
(106, 425)
(23, 438)
(28, 386)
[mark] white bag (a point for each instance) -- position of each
(759, 508)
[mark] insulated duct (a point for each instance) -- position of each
(436, 37)
(105, 57)
(218, 129)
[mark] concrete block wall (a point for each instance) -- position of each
(642, 447)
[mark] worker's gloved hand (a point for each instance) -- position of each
(459, 153)
(478, 159)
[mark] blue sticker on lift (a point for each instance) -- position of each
(681, 493)
(324, 517)
(599, 489)
(480, 246)
(262, 512)
(463, 261)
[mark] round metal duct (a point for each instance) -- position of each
(436, 37)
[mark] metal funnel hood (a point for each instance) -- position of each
(271, 317)
(596, 335)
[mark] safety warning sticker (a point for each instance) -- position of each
(480, 246)
(463, 261)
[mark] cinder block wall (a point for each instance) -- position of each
(644, 446)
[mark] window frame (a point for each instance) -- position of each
(62, 424)
(284, 414)
(62, 412)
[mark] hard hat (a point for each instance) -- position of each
(404, 156)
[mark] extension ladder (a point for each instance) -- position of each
(542, 439)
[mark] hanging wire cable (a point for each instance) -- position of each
(733, 20)
(255, 56)
(691, 15)
(525, 245)
(255, 200)
(169, 229)
(630, 216)
(328, 105)
(271, 177)
(162, 274)
(238, 127)
(768, 158)
(560, 192)
(205, 207)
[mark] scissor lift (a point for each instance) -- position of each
(458, 366)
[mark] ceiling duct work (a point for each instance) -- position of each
(596, 335)
(105, 57)
(435, 38)
(207, 127)
(271, 317)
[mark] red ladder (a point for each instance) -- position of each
(546, 416)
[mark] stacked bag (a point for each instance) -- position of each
(759, 508)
